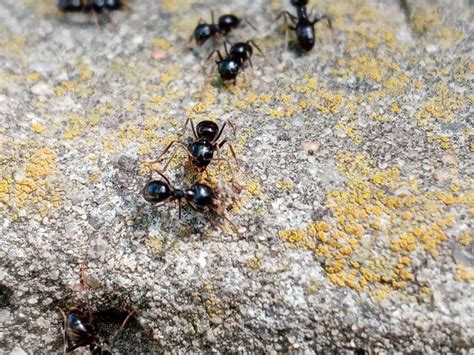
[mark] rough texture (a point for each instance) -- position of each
(356, 165)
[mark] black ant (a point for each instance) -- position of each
(231, 65)
(225, 24)
(94, 6)
(78, 328)
(303, 26)
(201, 150)
(198, 197)
(89, 5)
(79, 332)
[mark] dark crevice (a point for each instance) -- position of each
(5, 297)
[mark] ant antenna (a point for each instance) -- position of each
(164, 177)
(250, 24)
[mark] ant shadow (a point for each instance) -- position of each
(295, 49)
(6, 297)
(133, 339)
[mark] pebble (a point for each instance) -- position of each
(54, 275)
(431, 48)
(441, 175)
(5, 316)
(43, 67)
(42, 89)
(17, 350)
(310, 147)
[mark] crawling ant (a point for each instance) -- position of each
(94, 6)
(231, 65)
(89, 5)
(201, 150)
(228, 68)
(79, 332)
(198, 197)
(240, 51)
(78, 328)
(225, 24)
(303, 26)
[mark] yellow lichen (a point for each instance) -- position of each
(464, 274)
(37, 127)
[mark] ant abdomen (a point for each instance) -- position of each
(207, 130)
(227, 23)
(156, 191)
(203, 32)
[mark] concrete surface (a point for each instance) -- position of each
(356, 166)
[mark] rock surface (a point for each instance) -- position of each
(356, 170)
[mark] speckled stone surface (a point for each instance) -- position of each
(356, 203)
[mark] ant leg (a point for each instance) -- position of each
(85, 286)
(222, 214)
(220, 133)
(64, 330)
(209, 58)
(96, 20)
(165, 151)
(258, 48)
(230, 168)
(232, 126)
(111, 20)
(225, 47)
(189, 119)
(322, 17)
(244, 76)
(140, 211)
(122, 327)
(250, 24)
(212, 17)
(251, 64)
(171, 158)
(328, 19)
(293, 19)
(164, 177)
(211, 54)
(231, 151)
(215, 225)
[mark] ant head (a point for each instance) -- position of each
(203, 32)
(241, 51)
(207, 130)
(156, 191)
(299, 3)
(229, 68)
(227, 22)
